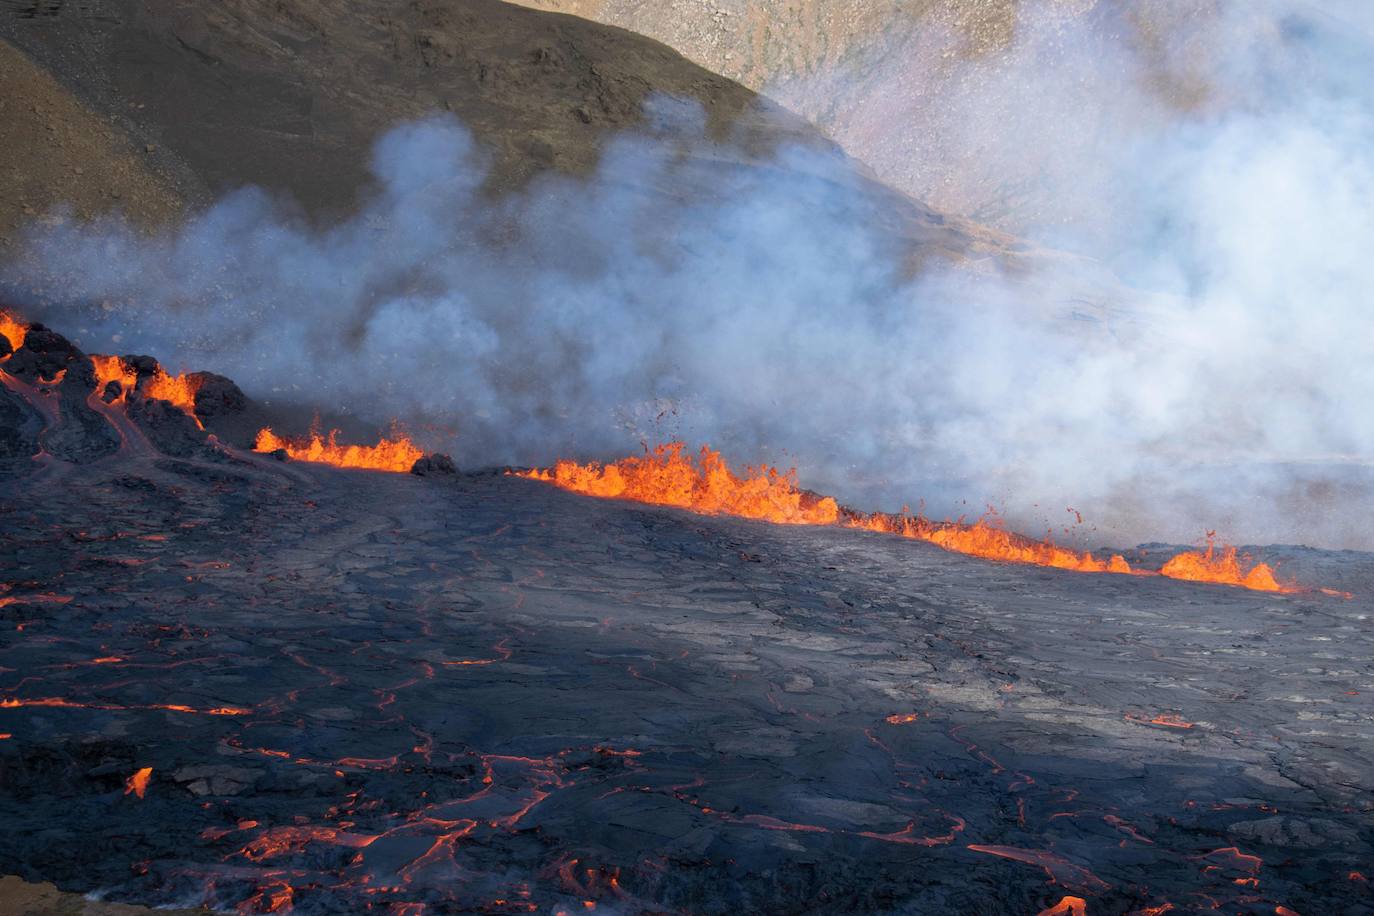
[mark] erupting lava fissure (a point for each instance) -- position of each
(179, 390)
(668, 476)
(395, 453)
(671, 476)
(12, 330)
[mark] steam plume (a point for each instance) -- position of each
(771, 319)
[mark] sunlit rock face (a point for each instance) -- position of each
(999, 109)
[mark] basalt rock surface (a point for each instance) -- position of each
(435, 464)
(53, 408)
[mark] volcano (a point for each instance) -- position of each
(266, 649)
(259, 685)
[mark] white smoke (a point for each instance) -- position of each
(770, 318)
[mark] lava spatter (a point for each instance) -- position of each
(395, 453)
(13, 330)
(137, 784)
(667, 476)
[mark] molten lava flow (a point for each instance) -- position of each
(1166, 719)
(13, 330)
(389, 454)
(984, 538)
(1068, 906)
(63, 703)
(1223, 567)
(137, 784)
(179, 390)
(1060, 870)
(113, 369)
(666, 476)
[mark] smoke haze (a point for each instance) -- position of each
(1224, 384)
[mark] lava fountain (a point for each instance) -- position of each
(667, 476)
(395, 453)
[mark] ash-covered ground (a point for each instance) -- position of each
(234, 682)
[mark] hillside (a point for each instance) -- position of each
(290, 96)
(1000, 110)
(58, 151)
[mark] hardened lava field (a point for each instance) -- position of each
(255, 685)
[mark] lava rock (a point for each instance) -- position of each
(216, 395)
(44, 354)
(169, 428)
(5, 348)
(215, 779)
(142, 365)
(1294, 833)
(433, 464)
(280, 454)
(113, 389)
(20, 425)
(81, 435)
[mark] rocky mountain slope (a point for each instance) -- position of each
(291, 95)
(989, 108)
(58, 151)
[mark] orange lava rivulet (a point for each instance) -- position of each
(667, 475)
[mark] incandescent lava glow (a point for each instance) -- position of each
(667, 476)
(1068, 906)
(1223, 567)
(179, 390)
(12, 329)
(395, 453)
(137, 784)
(984, 538)
(63, 703)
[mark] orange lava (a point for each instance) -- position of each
(62, 703)
(984, 538)
(13, 330)
(277, 898)
(1068, 906)
(1166, 719)
(44, 598)
(389, 454)
(179, 390)
(668, 476)
(137, 784)
(1231, 857)
(1223, 567)
(1059, 869)
(112, 369)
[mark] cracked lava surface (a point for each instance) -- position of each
(261, 687)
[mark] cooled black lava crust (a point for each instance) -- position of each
(360, 689)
